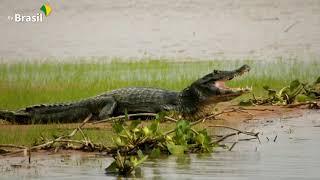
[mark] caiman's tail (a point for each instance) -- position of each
(43, 114)
(15, 117)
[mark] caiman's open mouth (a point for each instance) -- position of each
(221, 84)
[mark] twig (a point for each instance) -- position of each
(29, 155)
(212, 116)
(247, 139)
(256, 135)
(133, 115)
(84, 137)
(193, 130)
(53, 141)
(224, 137)
(62, 137)
(255, 109)
(238, 130)
(12, 146)
(232, 146)
(291, 26)
(275, 138)
(301, 104)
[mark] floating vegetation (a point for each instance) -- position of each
(296, 92)
(134, 142)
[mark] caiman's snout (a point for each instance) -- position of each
(220, 77)
(243, 69)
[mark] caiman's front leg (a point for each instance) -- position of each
(108, 109)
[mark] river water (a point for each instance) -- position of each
(174, 29)
(289, 149)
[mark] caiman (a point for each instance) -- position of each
(190, 102)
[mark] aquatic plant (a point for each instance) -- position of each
(295, 92)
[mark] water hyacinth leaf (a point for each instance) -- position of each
(204, 137)
(200, 138)
(126, 115)
(168, 138)
(140, 154)
(183, 132)
(246, 103)
(161, 115)
(294, 85)
(176, 149)
(154, 127)
(146, 131)
(265, 87)
(318, 80)
(155, 153)
(134, 124)
(204, 140)
(182, 124)
(271, 92)
(283, 91)
(136, 162)
(118, 141)
(112, 168)
(303, 98)
(117, 127)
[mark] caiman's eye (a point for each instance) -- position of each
(216, 71)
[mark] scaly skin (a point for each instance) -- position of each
(189, 102)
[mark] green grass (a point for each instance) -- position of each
(23, 84)
(31, 134)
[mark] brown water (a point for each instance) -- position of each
(293, 155)
(179, 29)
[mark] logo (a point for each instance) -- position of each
(18, 17)
(46, 9)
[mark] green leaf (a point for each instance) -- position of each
(161, 115)
(146, 131)
(303, 98)
(134, 124)
(294, 85)
(245, 103)
(136, 162)
(200, 138)
(176, 149)
(155, 153)
(112, 168)
(204, 140)
(140, 154)
(282, 91)
(183, 133)
(126, 117)
(318, 80)
(117, 127)
(118, 141)
(266, 87)
(154, 127)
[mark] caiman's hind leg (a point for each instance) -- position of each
(108, 109)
